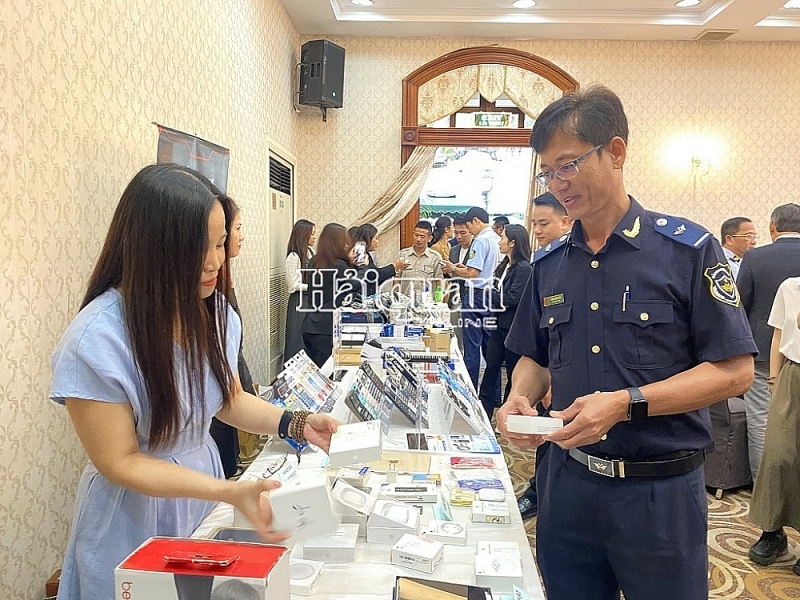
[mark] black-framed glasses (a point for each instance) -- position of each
(565, 171)
(749, 236)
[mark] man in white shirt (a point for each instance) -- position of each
(737, 236)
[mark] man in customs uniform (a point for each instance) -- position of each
(635, 322)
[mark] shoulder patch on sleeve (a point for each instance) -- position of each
(554, 245)
(682, 232)
(722, 285)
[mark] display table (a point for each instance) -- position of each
(372, 576)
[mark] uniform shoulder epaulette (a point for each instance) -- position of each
(554, 245)
(681, 231)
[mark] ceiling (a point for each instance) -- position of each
(752, 20)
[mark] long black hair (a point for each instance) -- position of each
(442, 223)
(522, 247)
(299, 238)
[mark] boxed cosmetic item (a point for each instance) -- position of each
(418, 553)
(336, 547)
(410, 492)
(390, 520)
(533, 425)
(303, 575)
(490, 512)
(198, 569)
(498, 572)
(303, 506)
(355, 443)
(447, 532)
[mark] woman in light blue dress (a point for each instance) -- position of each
(150, 358)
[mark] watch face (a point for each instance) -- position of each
(637, 410)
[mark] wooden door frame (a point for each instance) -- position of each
(412, 135)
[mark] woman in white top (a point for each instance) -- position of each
(300, 244)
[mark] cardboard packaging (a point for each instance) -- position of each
(446, 532)
(534, 425)
(390, 520)
(490, 512)
(500, 573)
(352, 505)
(191, 569)
(303, 575)
(355, 443)
(410, 492)
(499, 548)
(302, 505)
(411, 587)
(418, 553)
(336, 547)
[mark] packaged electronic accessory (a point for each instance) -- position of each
(490, 512)
(418, 553)
(533, 425)
(303, 575)
(447, 532)
(336, 547)
(472, 462)
(410, 492)
(355, 443)
(491, 495)
(499, 573)
(390, 520)
(459, 497)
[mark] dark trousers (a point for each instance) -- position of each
(319, 347)
(597, 536)
(474, 315)
(227, 440)
(496, 354)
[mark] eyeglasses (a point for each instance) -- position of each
(565, 171)
(749, 236)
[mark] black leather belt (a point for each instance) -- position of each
(663, 467)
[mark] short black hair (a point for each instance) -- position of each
(476, 212)
(424, 225)
(548, 199)
(460, 219)
(731, 226)
(501, 220)
(786, 217)
(594, 115)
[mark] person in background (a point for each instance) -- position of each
(442, 233)
(510, 278)
(737, 236)
(143, 367)
(776, 495)
(225, 436)
(351, 233)
(498, 224)
(550, 219)
(761, 272)
(299, 252)
(458, 254)
(424, 265)
(372, 274)
(332, 280)
(634, 325)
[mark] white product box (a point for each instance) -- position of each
(390, 520)
(500, 573)
(447, 532)
(536, 425)
(357, 476)
(410, 492)
(490, 512)
(336, 547)
(359, 520)
(418, 553)
(355, 443)
(303, 506)
(303, 575)
(348, 500)
(505, 549)
(176, 569)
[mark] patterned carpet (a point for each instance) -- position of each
(730, 535)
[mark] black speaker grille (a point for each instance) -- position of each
(280, 176)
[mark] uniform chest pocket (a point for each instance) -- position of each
(643, 334)
(556, 320)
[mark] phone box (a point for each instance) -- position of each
(410, 492)
(303, 506)
(303, 575)
(193, 569)
(533, 425)
(355, 443)
(390, 520)
(335, 547)
(490, 512)
(498, 572)
(447, 532)
(418, 553)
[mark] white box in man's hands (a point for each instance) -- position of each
(355, 443)
(533, 425)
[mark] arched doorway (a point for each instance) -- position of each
(414, 134)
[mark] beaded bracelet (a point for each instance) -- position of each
(297, 426)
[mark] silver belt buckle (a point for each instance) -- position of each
(601, 466)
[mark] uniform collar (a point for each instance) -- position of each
(629, 228)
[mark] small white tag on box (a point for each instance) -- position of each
(533, 425)
(500, 573)
(418, 553)
(490, 512)
(336, 547)
(410, 492)
(355, 443)
(447, 532)
(501, 548)
(303, 574)
(302, 505)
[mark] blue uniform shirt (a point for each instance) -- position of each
(656, 300)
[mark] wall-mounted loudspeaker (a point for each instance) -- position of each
(321, 74)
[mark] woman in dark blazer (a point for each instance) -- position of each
(372, 274)
(510, 279)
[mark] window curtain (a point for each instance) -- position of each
(395, 203)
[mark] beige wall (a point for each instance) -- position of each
(81, 83)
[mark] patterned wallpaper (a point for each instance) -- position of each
(81, 83)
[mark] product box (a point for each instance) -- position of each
(303, 506)
(198, 569)
(336, 547)
(533, 425)
(500, 573)
(355, 476)
(390, 520)
(447, 532)
(303, 575)
(410, 492)
(439, 340)
(418, 553)
(499, 548)
(408, 588)
(490, 512)
(355, 443)
(349, 500)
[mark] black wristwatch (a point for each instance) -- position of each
(637, 407)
